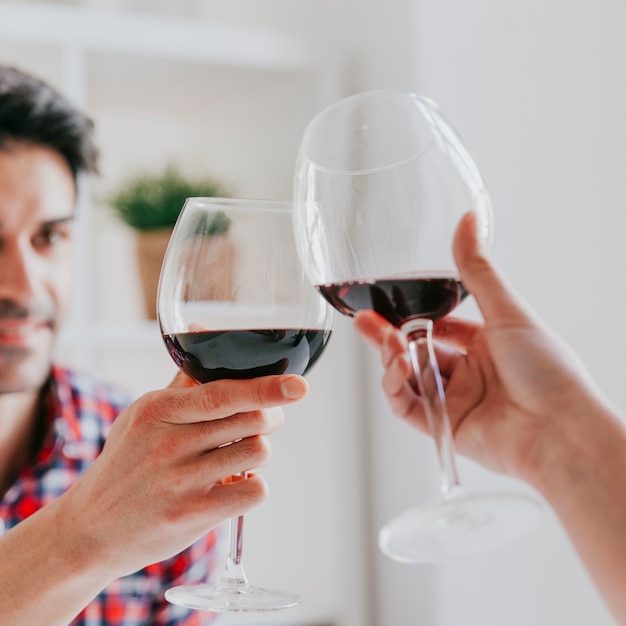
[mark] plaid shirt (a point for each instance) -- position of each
(77, 413)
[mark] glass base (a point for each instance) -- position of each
(231, 597)
(459, 526)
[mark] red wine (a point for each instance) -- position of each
(397, 299)
(214, 355)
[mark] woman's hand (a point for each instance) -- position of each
(510, 383)
(520, 402)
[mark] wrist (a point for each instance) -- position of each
(578, 455)
(41, 562)
(582, 475)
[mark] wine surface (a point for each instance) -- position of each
(397, 299)
(214, 355)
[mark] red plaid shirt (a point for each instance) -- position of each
(77, 413)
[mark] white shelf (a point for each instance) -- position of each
(174, 38)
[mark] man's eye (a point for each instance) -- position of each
(49, 237)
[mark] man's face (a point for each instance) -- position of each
(37, 196)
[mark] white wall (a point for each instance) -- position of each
(536, 91)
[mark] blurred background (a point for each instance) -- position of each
(225, 89)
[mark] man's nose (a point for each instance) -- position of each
(19, 268)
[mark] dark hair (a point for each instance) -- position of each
(32, 112)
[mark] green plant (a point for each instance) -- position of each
(153, 201)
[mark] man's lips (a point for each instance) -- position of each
(21, 332)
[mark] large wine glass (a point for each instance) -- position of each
(381, 183)
(233, 302)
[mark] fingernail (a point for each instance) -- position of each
(294, 387)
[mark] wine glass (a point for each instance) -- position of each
(381, 183)
(238, 306)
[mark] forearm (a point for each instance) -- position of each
(583, 477)
(45, 579)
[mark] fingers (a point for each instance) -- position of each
(213, 484)
(178, 425)
(371, 326)
(456, 332)
(212, 501)
(230, 498)
(216, 433)
(212, 465)
(498, 303)
(237, 457)
(398, 372)
(397, 384)
(234, 396)
(180, 404)
(391, 344)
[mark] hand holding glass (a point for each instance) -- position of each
(238, 306)
(381, 183)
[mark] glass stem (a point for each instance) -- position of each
(419, 333)
(233, 572)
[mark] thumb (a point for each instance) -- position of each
(497, 301)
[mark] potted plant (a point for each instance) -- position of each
(150, 205)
